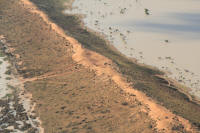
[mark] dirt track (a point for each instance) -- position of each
(106, 90)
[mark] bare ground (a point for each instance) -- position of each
(76, 90)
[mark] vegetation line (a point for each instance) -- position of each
(141, 77)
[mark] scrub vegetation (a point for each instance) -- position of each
(65, 105)
(70, 98)
(143, 78)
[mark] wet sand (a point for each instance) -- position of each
(166, 37)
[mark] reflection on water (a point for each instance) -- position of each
(167, 38)
(189, 26)
(190, 18)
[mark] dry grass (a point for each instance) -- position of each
(143, 78)
(89, 105)
(77, 101)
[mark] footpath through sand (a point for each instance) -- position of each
(104, 73)
(103, 66)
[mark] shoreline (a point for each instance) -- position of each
(127, 38)
(89, 59)
(181, 87)
(163, 74)
(95, 44)
(100, 64)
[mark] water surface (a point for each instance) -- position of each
(164, 34)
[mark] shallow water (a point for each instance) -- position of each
(168, 38)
